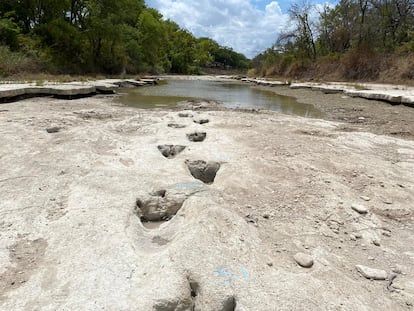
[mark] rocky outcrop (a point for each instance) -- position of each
(10, 92)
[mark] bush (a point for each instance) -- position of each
(361, 63)
(16, 62)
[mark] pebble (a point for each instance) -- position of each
(365, 198)
(185, 115)
(270, 264)
(202, 121)
(352, 237)
(303, 260)
(266, 216)
(386, 233)
(387, 201)
(53, 130)
(361, 209)
(371, 273)
(376, 242)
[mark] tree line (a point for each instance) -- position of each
(102, 36)
(356, 36)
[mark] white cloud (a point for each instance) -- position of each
(239, 24)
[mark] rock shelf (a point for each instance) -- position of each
(393, 94)
(10, 92)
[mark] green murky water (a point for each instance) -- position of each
(231, 94)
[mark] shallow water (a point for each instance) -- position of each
(231, 94)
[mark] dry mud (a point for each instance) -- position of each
(93, 215)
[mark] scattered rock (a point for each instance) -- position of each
(266, 216)
(198, 104)
(201, 121)
(387, 201)
(359, 208)
(197, 136)
(365, 198)
(202, 170)
(176, 126)
(251, 220)
(371, 273)
(170, 151)
(185, 115)
(303, 260)
(53, 130)
(376, 242)
(270, 264)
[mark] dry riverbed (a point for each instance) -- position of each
(107, 207)
(357, 114)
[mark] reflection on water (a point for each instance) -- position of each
(231, 94)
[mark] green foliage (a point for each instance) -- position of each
(13, 62)
(103, 36)
(9, 33)
(352, 34)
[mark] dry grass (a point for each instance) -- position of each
(361, 65)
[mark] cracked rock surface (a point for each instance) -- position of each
(71, 208)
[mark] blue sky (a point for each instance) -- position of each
(247, 26)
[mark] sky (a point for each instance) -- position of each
(247, 26)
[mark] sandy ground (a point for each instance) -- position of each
(71, 236)
(357, 114)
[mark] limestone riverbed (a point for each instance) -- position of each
(116, 208)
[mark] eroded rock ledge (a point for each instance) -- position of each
(10, 92)
(393, 94)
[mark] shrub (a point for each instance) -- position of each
(361, 63)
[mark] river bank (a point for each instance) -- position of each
(356, 114)
(101, 208)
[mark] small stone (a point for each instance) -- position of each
(352, 237)
(376, 242)
(185, 115)
(303, 260)
(386, 233)
(266, 216)
(270, 264)
(365, 198)
(371, 258)
(359, 208)
(358, 235)
(251, 219)
(201, 121)
(177, 126)
(387, 201)
(53, 130)
(371, 273)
